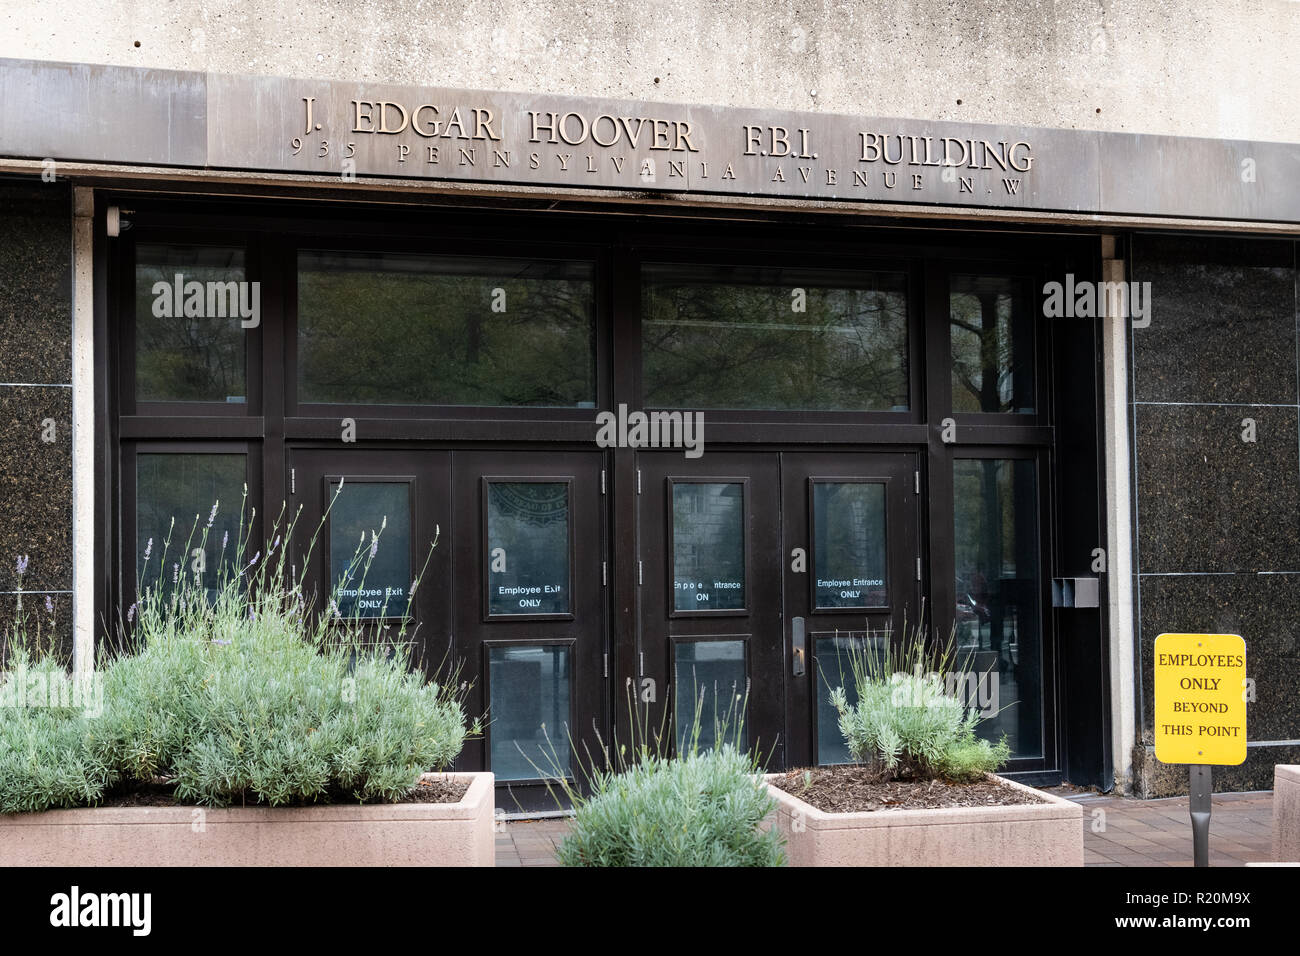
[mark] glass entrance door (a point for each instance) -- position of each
(756, 571)
(510, 601)
(710, 596)
(529, 594)
(852, 575)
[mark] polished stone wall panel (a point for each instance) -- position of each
(36, 487)
(1222, 323)
(40, 628)
(1218, 517)
(35, 282)
(36, 407)
(1263, 608)
(1208, 500)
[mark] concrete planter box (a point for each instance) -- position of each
(1286, 813)
(394, 834)
(1039, 834)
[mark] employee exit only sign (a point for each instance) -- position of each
(1200, 685)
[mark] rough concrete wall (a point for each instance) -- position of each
(1180, 67)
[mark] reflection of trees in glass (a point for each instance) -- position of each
(708, 544)
(990, 346)
(360, 510)
(529, 522)
(186, 359)
(422, 330)
(849, 531)
(995, 541)
(185, 486)
(730, 338)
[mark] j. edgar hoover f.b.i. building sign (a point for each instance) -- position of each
(89, 113)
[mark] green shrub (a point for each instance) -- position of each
(906, 722)
(701, 809)
(237, 695)
(43, 759)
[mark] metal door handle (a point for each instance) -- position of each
(798, 645)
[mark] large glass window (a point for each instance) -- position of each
(187, 516)
(745, 337)
(528, 547)
(995, 536)
(370, 547)
(992, 344)
(708, 546)
(190, 303)
(386, 329)
(529, 716)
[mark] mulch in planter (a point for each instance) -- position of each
(163, 795)
(856, 789)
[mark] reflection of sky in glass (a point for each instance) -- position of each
(360, 509)
(528, 534)
(708, 546)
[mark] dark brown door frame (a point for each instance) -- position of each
(271, 229)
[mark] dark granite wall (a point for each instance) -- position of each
(35, 385)
(1218, 517)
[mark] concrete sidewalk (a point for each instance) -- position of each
(1117, 831)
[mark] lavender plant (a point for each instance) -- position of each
(239, 693)
(702, 806)
(905, 722)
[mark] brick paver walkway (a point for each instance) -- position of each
(1159, 832)
(1117, 831)
(530, 842)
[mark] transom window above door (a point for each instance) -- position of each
(773, 338)
(378, 328)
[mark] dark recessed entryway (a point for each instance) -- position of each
(889, 429)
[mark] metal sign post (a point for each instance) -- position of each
(1200, 716)
(1201, 788)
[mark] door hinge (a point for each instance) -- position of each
(293, 481)
(605, 672)
(918, 568)
(642, 656)
(916, 484)
(602, 481)
(604, 574)
(639, 579)
(638, 481)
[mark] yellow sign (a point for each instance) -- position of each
(1200, 699)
